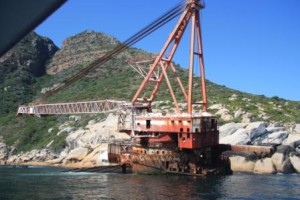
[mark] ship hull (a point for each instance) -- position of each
(198, 162)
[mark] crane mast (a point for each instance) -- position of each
(164, 60)
(185, 129)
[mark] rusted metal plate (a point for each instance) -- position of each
(250, 148)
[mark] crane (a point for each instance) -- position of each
(179, 142)
(58, 108)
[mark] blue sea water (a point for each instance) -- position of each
(53, 183)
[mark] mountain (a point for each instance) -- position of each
(19, 69)
(36, 64)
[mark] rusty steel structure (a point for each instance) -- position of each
(164, 59)
(183, 142)
(190, 129)
(186, 141)
(102, 106)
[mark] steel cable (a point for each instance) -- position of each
(165, 18)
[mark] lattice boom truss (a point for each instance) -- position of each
(103, 106)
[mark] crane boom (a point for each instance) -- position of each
(103, 106)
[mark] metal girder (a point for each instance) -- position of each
(103, 106)
(190, 15)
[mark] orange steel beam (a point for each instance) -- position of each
(159, 57)
(191, 13)
(202, 72)
(170, 86)
(179, 81)
(191, 67)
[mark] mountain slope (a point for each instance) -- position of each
(19, 69)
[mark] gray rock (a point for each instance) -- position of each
(264, 166)
(247, 118)
(229, 128)
(238, 113)
(297, 146)
(274, 129)
(275, 138)
(256, 129)
(238, 137)
(226, 117)
(295, 160)
(282, 163)
(91, 122)
(3, 151)
(297, 128)
(216, 107)
(241, 164)
(77, 154)
(75, 118)
(275, 124)
(292, 139)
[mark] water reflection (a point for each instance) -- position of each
(48, 183)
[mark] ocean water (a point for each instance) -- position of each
(53, 183)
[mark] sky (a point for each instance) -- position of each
(252, 46)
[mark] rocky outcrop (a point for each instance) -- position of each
(77, 155)
(295, 160)
(80, 50)
(275, 137)
(240, 136)
(34, 156)
(255, 133)
(229, 129)
(95, 133)
(256, 129)
(3, 153)
(297, 128)
(264, 166)
(30, 54)
(283, 160)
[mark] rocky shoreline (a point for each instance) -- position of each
(90, 150)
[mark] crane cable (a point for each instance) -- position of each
(165, 18)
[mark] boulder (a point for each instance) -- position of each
(292, 139)
(229, 128)
(264, 166)
(256, 129)
(233, 97)
(77, 154)
(238, 137)
(275, 138)
(297, 146)
(275, 124)
(297, 128)
(281, 159)
(241, 164)
(226, 117)
(238, 113)
(295, 160)
(43, 155)
(3, 151)
(247, 118)
(13, 160)
(274, 129)
(75, 118)
(282, 163)
(216, 106)
(98, 157)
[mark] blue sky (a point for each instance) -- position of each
(249, 45)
